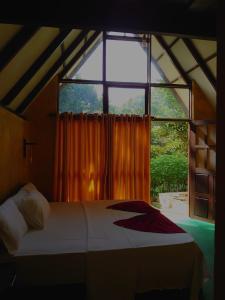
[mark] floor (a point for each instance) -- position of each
(175, 207)
(203, 233)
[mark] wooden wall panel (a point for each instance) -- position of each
(201, 106)
(43, 128)
(202, 157)
(14, 168)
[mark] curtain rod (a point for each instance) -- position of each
(152, 117)
(196, 122)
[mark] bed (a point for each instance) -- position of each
(81, 244)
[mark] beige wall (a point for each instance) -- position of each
(43, 128)
(14, 167)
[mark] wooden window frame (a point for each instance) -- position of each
(118, 84)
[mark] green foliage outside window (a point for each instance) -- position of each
(132, 106)
(169, 145)
(165, 104)
(168, 173)
(79, 98)
(169, 138)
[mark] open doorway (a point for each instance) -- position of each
(169, 150)
(169, 168)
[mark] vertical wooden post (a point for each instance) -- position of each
(220, 159)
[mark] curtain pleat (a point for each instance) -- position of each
(102, 157)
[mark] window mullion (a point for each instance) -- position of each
(105, 88)
(148, 89)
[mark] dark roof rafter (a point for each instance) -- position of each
(200, 61)
(173, 59)
(174, 42)
(31, 96)
(16, 44)
(169, 46)
(210, 57)
(21, 83)
(12, 112)
(80, 53)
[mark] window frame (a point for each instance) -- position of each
(118, 84)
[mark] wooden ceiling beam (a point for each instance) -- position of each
(80, 53)
(170, 46)
(174, 42)
(12, 112)
(173, 59)
(30, 97)
(200, 61)
(214, 55)
(16, 44)
(39, 62)
(211, 57)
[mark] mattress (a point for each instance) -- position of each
(80, 243)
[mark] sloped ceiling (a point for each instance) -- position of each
(190, 17)
(197, 59)
(30, 56)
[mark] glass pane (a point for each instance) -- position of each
(90, 65)
(126, 101)
(126, 61)
(157, 74)
(162, 68)
(170, 103)
(80, 98)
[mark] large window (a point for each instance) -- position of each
(136, 74)
(125, 73)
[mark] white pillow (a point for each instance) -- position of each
(12, 225)
(21, 194)
(29, 187)
(35, 209)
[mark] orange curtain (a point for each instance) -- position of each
(80, 163)
(101, 157)
(130, 157)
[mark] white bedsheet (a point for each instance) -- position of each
(65, 232)
(88, 226)
(80, 244)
